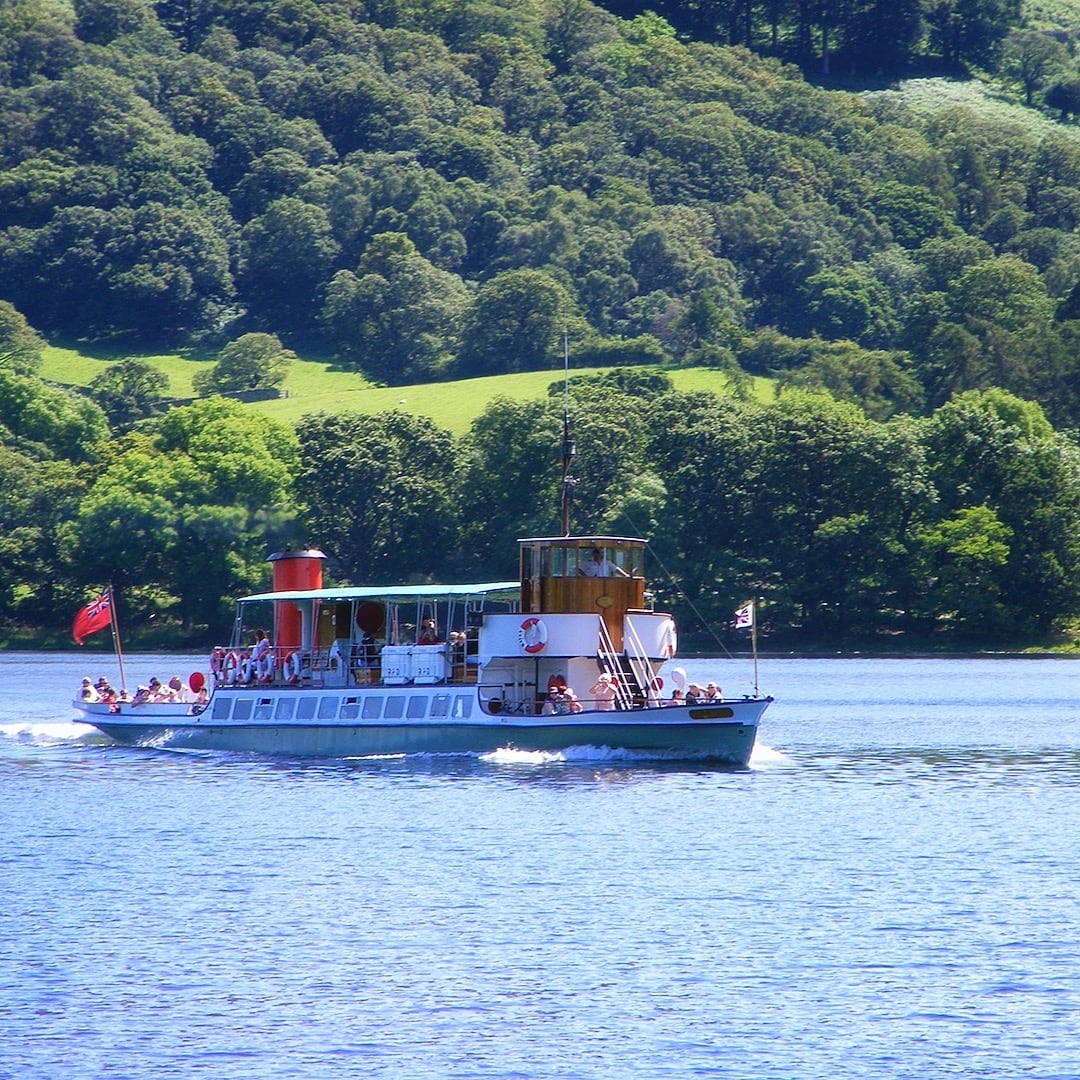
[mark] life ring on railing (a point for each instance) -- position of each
(229, 666)
(294, 664)
(533, 635)
(247, 669)
(335, 658)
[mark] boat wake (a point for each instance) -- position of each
(765, 757)
(57, 733)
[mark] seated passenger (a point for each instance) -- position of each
(429, 633)
(603, 692)
(87, 691)
(179, 689)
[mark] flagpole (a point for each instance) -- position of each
(753, 642)
(116, 638)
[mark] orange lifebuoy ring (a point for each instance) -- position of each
(533, 635)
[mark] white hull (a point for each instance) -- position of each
(245, 721)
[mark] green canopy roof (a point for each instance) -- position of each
(496, 590)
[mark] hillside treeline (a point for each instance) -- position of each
(443, 190)
(960, 527)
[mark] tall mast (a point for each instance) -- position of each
(569, 451)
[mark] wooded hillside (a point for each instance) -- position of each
(431, 191)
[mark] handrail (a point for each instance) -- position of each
(623, 697)
(641, 665)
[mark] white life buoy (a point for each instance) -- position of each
(294, 664)
(533, 635)
(246, 670)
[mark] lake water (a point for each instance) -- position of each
(891, 890)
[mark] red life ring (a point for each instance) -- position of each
(657, 684)
(229, 667)
(533, 635)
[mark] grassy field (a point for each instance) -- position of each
(313, 386)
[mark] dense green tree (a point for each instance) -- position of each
(515, 324)
(44, 421)
(289, 252)
(993, 450)
(127, 391)
(251, 362)
(378, 493)
(20, 345)
(397, 317)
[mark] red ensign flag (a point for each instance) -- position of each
(92, 618)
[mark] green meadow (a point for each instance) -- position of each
(314, 386)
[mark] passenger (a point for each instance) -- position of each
(603, 692)
(107, 693)
(429, 633)
(261, 658)
(676, 697)
(87, 691)
(598, 565)
(551, 702)
(693, 694)
(142, 696)
(158, 693)
(179, 689)
(712, 692)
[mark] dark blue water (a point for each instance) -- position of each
(890, 891)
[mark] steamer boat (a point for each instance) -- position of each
(569, 655)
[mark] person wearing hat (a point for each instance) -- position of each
(712, 692)
(603, 692)
(157, 691)
(178, 691)
(87, 691)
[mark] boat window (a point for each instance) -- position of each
(555, 562)
(350, 709)
(221, 708)
(372, 708)
(264, 708)
(417, 706)
(395, 707)
(305, 709)
(242, 709)
(328, 707)
(440, 704)
(285, 707)
(463, 706)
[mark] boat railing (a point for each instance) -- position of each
(612, 662)
(641, 665)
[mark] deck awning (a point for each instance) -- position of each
(508, 591)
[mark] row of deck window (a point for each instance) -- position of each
(290, 707)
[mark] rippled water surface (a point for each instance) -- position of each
(890, 891)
